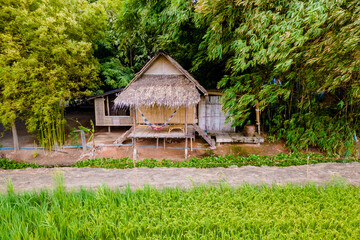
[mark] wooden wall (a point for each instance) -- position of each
(159, 115)
(102, 120)
(211, 117)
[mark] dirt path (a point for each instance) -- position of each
(28, 179)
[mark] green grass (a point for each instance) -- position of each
(247, 212)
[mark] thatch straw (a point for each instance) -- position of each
(161, 90)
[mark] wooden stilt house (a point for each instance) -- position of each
(163, 98)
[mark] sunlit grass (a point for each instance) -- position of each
(279, 212)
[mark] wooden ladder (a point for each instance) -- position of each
(203, 134)
(123, 137)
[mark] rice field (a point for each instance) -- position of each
(222, 212)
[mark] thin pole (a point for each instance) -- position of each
(134, 139)
(257, 110)
(186, 131)
(108, 110)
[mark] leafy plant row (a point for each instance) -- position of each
(222, 212)
(11, 164)
(282, 160)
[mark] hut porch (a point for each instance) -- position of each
(238, 138)
(142, 131)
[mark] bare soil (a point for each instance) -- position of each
(66, 157)
(323, 173)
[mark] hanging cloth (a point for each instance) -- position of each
(153, 126)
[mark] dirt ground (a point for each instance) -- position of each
(67, 157)
(323, 173)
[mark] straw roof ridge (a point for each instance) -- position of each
(161, 90)
(175, 63)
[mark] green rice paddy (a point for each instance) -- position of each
(222, 212)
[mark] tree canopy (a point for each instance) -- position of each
(46, 57)
(299, 59)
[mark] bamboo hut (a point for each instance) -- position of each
(162, 96)
(106, 114)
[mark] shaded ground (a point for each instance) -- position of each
(66, 157)
(28, 179)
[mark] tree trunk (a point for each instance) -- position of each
(15, 137)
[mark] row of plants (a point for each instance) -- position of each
(11, 164)
(281, 160)
(214, 212)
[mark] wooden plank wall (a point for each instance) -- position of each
(102, 120)
(159, 115)
(211, 116)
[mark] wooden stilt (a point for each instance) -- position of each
(191, 148)
(257, 110)
(108, 110)
(186, 148)
(134, 148)
(15, 137)
(157, 142)
(164, 142)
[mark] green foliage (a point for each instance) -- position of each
(10, 164)
(222, 212)
(281, 160)
(74, 137)
(35, 154)
(307, 46)
(46, 58)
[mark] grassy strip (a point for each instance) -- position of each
(11, 164)
(281, 160)
(293, 212)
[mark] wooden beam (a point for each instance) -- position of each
(15, 137)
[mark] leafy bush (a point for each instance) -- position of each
(11, 164)
(281, 159)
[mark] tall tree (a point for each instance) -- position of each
(46, 58)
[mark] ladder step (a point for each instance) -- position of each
(203, 134)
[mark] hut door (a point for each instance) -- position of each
(211, 117)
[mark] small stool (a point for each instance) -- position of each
(179, 126)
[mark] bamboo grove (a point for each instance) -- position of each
(298, 58)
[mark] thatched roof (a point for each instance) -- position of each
(161, 90)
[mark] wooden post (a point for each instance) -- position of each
(186, 125)
(134, 131)
(157, 142)
(83, 139)
(108, 110)
(186, 148)
(257, 110)
(15, 137)
(191, 147)
(186, 132)
(164, 142)
(134, 148)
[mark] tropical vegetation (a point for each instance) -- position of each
(299, 59)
